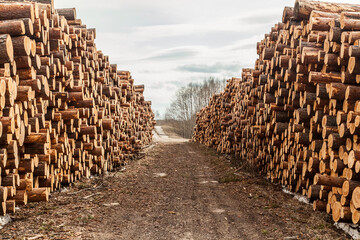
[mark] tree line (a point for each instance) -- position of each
(188, 100)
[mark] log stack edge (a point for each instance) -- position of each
(296, 115)
(65, 111)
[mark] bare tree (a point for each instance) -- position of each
(157, 115)
(188, 101)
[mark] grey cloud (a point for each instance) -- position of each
(246, 46)
(214, 68)
(261, 18)
(174, 54)
(210, 38)
(144, 71)
(167, 84)
(171, 88)
(156, 85)
(176, 83)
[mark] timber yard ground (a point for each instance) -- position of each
(177, 190)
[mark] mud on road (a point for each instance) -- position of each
(177, 191)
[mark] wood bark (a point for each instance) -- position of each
(66, 112)
(294, 117)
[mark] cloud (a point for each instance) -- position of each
(167, 45)
(210, 68)
(261, 18)
(174, 53)
(247, 46)
(176, 83)
(156, 85)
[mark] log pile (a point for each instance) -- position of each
(65, 111)
(296, 115)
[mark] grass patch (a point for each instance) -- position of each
(49, 207)
(211, 152)
(275, 205)
(272, 206)
(230, 178)
(46, 227)
(262, 182)
(320, 226)
(85, 218)
(83, 185)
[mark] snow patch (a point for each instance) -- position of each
(111, 204)
(160, 175)
(302, 199)
(351, 229)
(297, 196)
(205, 182)
(4, 220)
(218, 211)
(160, 136)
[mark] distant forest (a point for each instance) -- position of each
(181, 113)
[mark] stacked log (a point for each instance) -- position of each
(296, 115)
(66, 112)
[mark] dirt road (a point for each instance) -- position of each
(179, 190)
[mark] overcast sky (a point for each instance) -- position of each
(167, 44)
